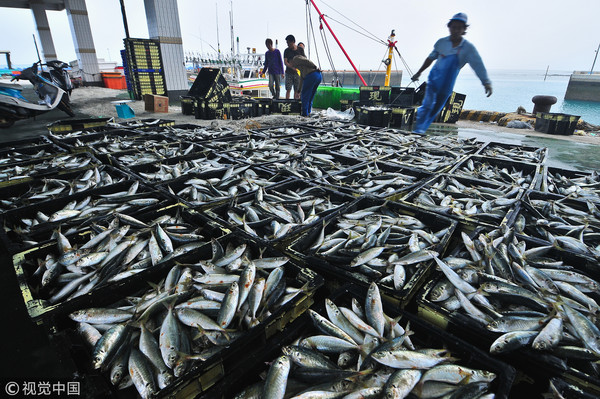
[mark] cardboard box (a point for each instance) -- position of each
(155, 103)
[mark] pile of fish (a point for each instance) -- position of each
(480, 168)
(464, 198)
(107, 143)
(317, 139)
(515, 153)
(380, 243)
(361, 352)
(28, 153)
(48, 188)
(585, 187)
(276, 213)
(199, 133)
(235, 180)
(370, 179)
(162, 171)
(257, 150)
(117, 248)
(198, 311)
(420, 158)
(365, 149)
(570, 224)
(33, 168)
(78, 212)
(148, 152)
(526, 293)
(312, 165)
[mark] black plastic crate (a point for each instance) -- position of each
(239, 110)
(424, 335)
(402, 118)
(402, 96)
(378, 116)
(572, 183)
(374, 94)
(556, 123)
(209, 110)
(511, 152)
(71, 125)
(210, 85)
(263, 106)
(218, 364)
(451, 111)
(336, 266)
(462, 199)
(188, 105)
(500, 171)
(286, 107)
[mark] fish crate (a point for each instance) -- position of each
(257, 150)
(37, 190)
(335, 263)
(263, 106)
(554, 218)
(452, 109)
(537, 365)
(402, 117)
(424, 335)
(239, 110)
(214, 187)
(277, 220)
(346, 104)
(25, 227)
(512, 152)
(463, 199)
(72, 125)
(11, 155)
(556, 123)
(54, 166)
(572, 183)
(311, 165)
(153, 151)
(375, 179)
(44, 302)
(378, 116)
(188, 105)
(210, 110)
(572, 389)
(500, 171)
(25, 143)
(373, 95)
(402, 96)
(171, 168)
(210, 84)
(319, 139)
(147, 124)
(203, 135)
(286, 107)
(218, 361)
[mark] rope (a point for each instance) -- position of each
(373, 36)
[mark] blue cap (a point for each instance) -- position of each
(461, 16)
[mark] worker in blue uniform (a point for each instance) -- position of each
(452, 53)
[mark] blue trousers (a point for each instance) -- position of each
(309, 89)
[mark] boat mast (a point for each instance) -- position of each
(388, 60)
(322, 17)
(596, 56)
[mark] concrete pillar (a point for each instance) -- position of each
(163, 25)
(43, 28)
(84, 42)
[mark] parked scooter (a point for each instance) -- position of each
(13, 106)
(57, 73)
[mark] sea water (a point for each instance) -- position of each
(514, 88)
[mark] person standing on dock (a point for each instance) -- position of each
(274, 67)
(292, 79)
(311, 79)
(452, 53)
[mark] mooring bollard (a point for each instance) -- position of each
(542, 103)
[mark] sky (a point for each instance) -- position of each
(509, 34)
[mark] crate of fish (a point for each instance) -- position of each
(532, 305)
(56, 165)
(115, 254)
(326, 124)
(375, 179)
(511, 152)
(561, 388)
(572, 183)
(147, 124)
(450, 145)
(500, 171)
(319, 139)
(151, 153)
(74, 125)
(286, 107)
(35, 224)
(281, 132)
(205, 190)
(195, 326)
(42, 189)
(14, 152)
(324, 354)
(108, 141)
(256, 150)
(570, 224)
(172, 168)
(201, 134)
(468, 200)
(374, 115)
(312, 165)
(377, 241)
(23, 143)
(277, 214)
(364, 149)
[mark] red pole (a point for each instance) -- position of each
(338, 42)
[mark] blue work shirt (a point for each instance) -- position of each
(273, 62)
(467, 54)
